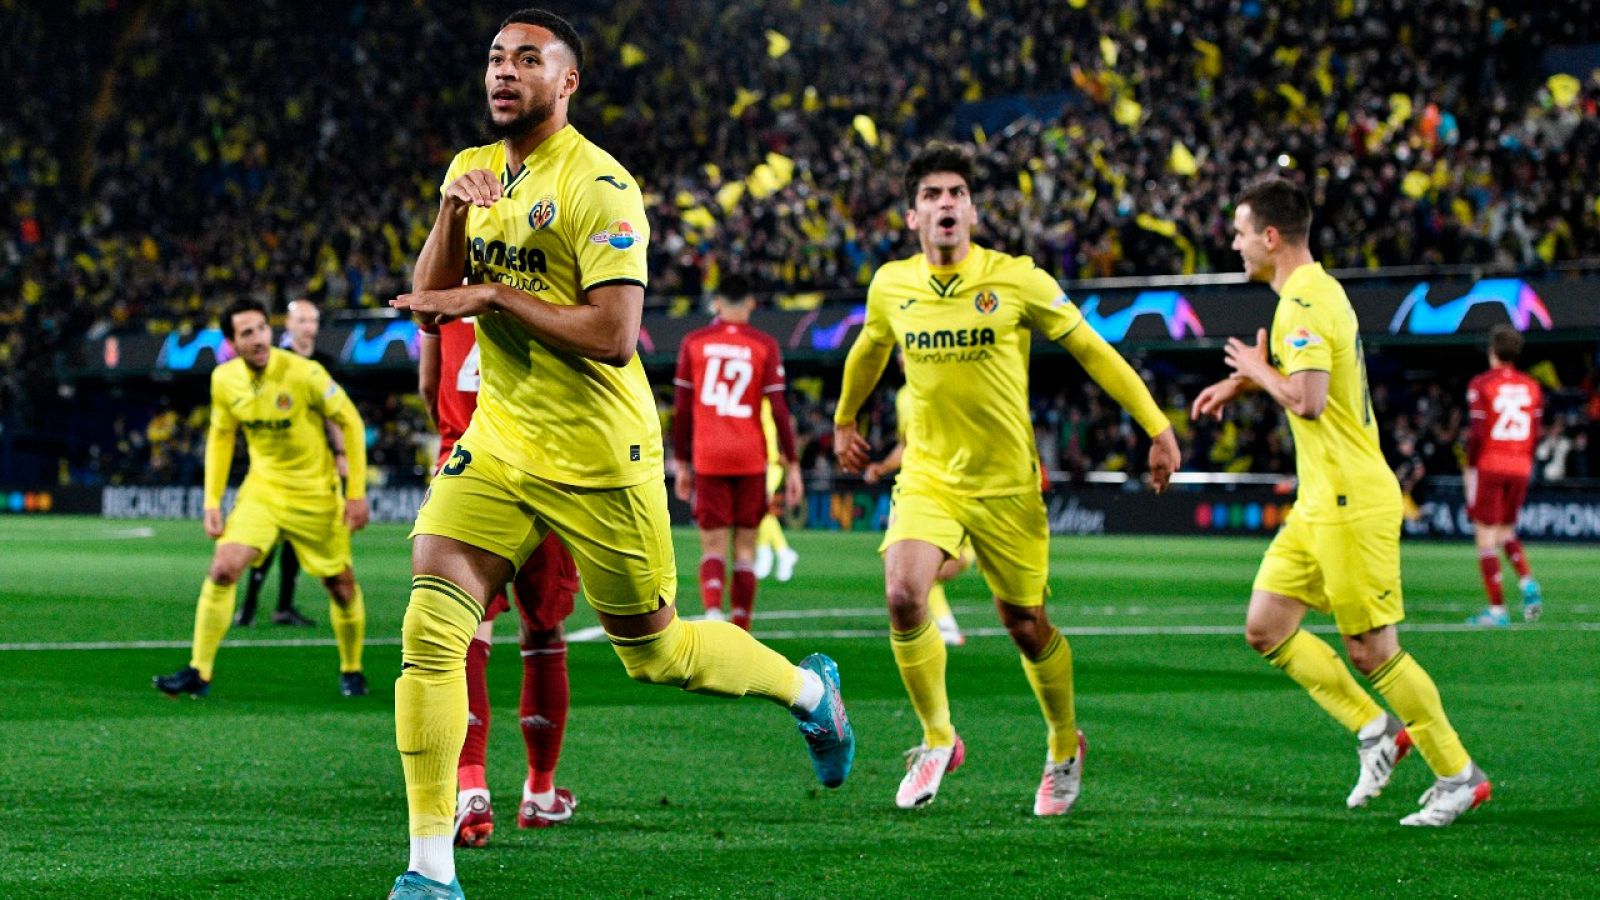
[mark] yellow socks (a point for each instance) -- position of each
(920, 655)
(1051, 677)
(349, 626)
(716, 658)
(1316, 667)
(770, 534)
(938, 603)
(212, 616)
(430, 699)
(1413, 695)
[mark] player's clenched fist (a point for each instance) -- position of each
(479, 187)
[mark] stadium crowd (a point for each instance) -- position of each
(183, 158)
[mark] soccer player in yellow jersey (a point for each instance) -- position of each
(551, 232)
(282, 401)
(970, 469)
(1339, 550)
(772, 548)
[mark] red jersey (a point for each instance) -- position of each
(1506, 406)
(458, 380)
(724, 370)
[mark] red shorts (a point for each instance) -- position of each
(546, 587)
(1495, 499)
(724, 500)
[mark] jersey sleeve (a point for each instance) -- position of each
(458, 166)
(1046, 309)
(684, 375)
(1303, 342)
(608, 228)
(323, 394)
(772, 375)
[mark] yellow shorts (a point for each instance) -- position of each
(1010, 536)
(1349, 569)
(620, 538)
(313, 524)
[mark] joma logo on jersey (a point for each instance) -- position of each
(542, 213)
(515, 259)
(986, 302)
(944, 337)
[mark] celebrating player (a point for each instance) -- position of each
(448, 379)
(301, 326)
(1506, 406)
(282, 401)
(1339, 551)
(971, 469)
(551, 232)
(725, 371)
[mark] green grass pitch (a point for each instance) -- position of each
(1209, 773)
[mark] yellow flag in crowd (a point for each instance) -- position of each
(632, 56)
(1025, 182)
(1181, 161)
(1210, 64)
(700, 218)
(810, 101)
(728, 195)
(777, 44)
(865, 127)
(1415, 184)
(742, 100)
(1399, 110)
(1297, 100)
(1108, 50)
(1127, 111)
(1563, 89)
(782, 168)
(975, 7)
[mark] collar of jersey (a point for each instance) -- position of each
(972, 253)
(552, 144)
(1299, 277)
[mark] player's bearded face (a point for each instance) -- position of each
(523, 80)
(943, 215)
(252, 338)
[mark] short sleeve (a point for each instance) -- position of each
(772, 378)
(609, 228)
(876, 328)
(682, 377)
(222, 417)
(1302, 339)
(323, 393)
(1046, 309)
(457, 167)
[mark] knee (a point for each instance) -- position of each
(1029, 627)
(541, 640)
(341, 587)
(1262, 638)
(649, 663)
(1365, 659)
(907, 605)
(223, 573)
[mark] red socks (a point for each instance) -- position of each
(713, 570)
(545, 698)
(744, 594)
(1519, 562)
(472, 752)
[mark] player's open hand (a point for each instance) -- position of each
(851, 449)
(1164, 459)
(683, 487)
(1248, 360)
(479, 187)
(434, 307)
(794, 486)
(356, 514)
(213, 523)
(1215, 398)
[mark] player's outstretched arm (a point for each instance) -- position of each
(1303, 393)
(862, 368)
(604, 328)
(1109, 370)
(219, 457)
(1216, 397)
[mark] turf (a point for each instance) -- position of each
(1209, 774)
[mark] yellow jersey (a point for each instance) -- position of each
(570, 220)
(1342, 472)
(282, 410)
(965, 331)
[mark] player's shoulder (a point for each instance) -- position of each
(588, 163)
(480, 157)
(898, 272)
(228, 373)
(1020, 270)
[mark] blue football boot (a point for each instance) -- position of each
(827, 729)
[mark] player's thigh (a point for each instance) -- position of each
(478, 500)
(713, 502)
(546, 586)
(917, 514)
(254, 521)
(1361, 565)
(1011, 540)
(314, 526)
(621, 540)
(1290, 567)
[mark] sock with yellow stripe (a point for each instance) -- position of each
(349, 627)
(920, 655)
(430, 714)
(1050, 675)
(1412, 694)
(213, 613)
(1316, 667)
(770, 534)
(709, 657)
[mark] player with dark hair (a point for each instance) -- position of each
(726, 370)
(282, 401)
(971, 471)
(551, 232)
(1339, 550)
(1506, 406)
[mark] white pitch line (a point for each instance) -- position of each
(594, 634)
(137, 533)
